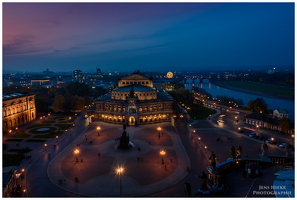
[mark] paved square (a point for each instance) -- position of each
(143, 171)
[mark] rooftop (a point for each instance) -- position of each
(13, 96)
(161, 96)
(284, 111)
(137, 88)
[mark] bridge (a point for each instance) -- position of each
(194, 79)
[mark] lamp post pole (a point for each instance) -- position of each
(120, 171)
(98, 128)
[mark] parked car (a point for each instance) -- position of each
(268, 140)
(282, 145)
(252, 134)
(273, 142)
(256, 136)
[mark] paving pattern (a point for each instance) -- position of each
(143, 171)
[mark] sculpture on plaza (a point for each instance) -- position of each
(212, 160)
(124, 142)
(232, 151)
(288, 149)
(238, 151)
(264, 149)
(203, 181)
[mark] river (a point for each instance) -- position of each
(272, 102)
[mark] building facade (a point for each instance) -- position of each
(18, 109)
(133, 102)
(267, 121)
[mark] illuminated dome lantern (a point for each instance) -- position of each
(169, 75)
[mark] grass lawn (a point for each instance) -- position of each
(44, 136)
(11, 160)
(39, 125)
(32, 140)
(201, 114)
(20, 150)
(262, 88)
(41, 132)
(14, 140)
(63, 126)
(56, 118)
(21, 134)
(62, 122)
(48, 121)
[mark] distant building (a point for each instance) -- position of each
(266, 121)
(48, 73)
(160, 85)
(281, 113)
(77, 75)
(18, 109)
(19, 82)
(98, 71)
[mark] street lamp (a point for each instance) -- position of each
(120, 171)
(162, 153)
(98, 128)
(76, 153)
(159, 129)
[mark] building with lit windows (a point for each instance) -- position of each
(77, 75)
(134, 101)
(18, 109)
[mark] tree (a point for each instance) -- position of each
(76, 88)
(284, 124)
(58, 104)
(260, 105)
(250, 104)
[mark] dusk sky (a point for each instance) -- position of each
(146, 36)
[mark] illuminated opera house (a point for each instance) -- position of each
(134, 101)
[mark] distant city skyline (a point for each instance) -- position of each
(147, 36)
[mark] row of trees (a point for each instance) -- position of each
(202, 91)
(287, 79)
(74, 96)
(226, 99)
